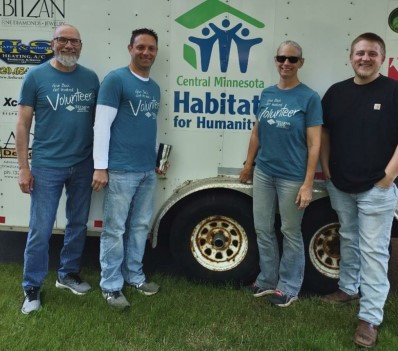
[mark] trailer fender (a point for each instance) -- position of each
(193, 186)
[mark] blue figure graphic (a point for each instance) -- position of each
(225, 38)
(205, 46)
(244, 46)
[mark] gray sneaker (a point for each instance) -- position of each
(74, 283)
(256, 291)
(147, 288)
(279, 298)
(116, 299)
(31, 302)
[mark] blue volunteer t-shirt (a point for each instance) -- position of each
(283, 117)
(64, 104)
(133, 132)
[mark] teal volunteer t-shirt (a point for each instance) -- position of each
(133, 132)
(64, 105)
(283, 117)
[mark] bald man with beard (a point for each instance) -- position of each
(60, 95)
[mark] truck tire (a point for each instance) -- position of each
(320, 228)
(213, 238)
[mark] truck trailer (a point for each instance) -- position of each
(214, 59)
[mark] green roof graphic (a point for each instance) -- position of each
(210, 9)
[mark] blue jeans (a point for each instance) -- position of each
(47, 190)
(286, 275)
(365, 230)
(128, 208)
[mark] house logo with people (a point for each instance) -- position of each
(219, 37)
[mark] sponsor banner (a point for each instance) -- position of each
(8, 107)
(391, 62)
(8, 167)
(9, 101)
(393, 67)
(216, 75)
(15, 52)
(34, 14)
(8, 155)
(17, 55)
(15, 204)
(12, 73)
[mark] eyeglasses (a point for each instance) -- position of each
(64, 41)
(291, 59)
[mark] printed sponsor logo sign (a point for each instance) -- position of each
(9, 106)
(10, 102)
(14, 51)
(9, 150)
(7, 72)
(218, 36)
(32, 13)
(8, 157)
(393, 68)
(215, 85)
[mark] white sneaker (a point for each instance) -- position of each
(31, 302)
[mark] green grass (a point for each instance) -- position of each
(183, 316)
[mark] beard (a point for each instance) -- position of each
(66, 60)
(367, 71)
(363, 75)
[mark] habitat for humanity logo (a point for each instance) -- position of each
(224, 34)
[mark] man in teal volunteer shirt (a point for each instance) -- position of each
(124, 162)
(61, 95)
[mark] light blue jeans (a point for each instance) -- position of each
(286, 275)
(47, 190)
(365, 230)
(128, 208)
